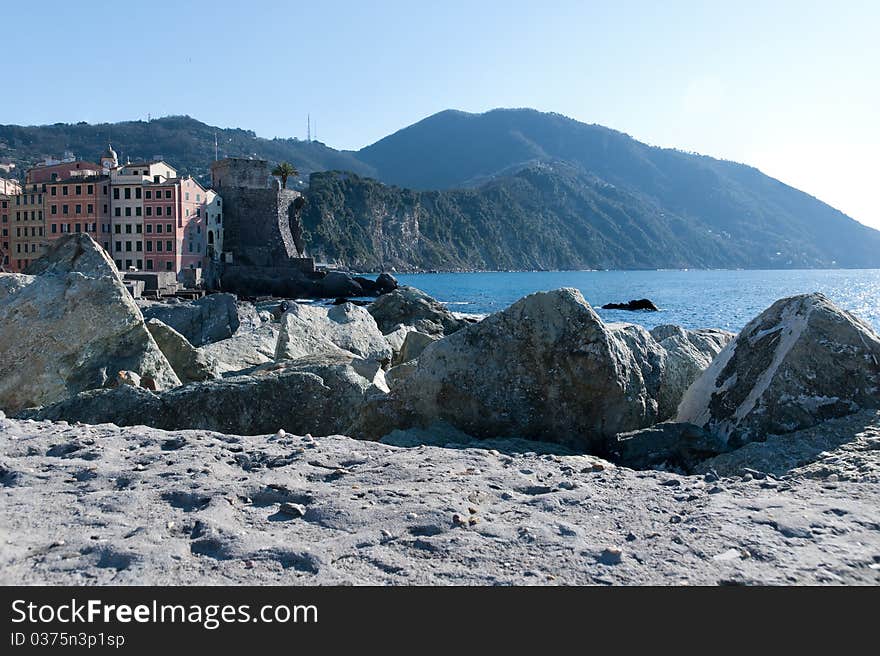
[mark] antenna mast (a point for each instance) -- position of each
(308, 127)
(216, 148)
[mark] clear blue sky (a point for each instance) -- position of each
(790, 87)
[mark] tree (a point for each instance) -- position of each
(284, 170)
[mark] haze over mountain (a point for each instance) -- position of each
(510, 189)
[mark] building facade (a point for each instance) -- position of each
(143, 214)
(8, 190)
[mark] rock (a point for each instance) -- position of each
(546, 368)
(10, 283)
(319, 396)
(412, 307)
(368, 286)
(799, 363)
(386, 283)
(244, 350)
(189, 363)
(70, 331)
(292, 509)
(312, 329)
(689, 353)
(413, 344)
(611, 556)
(129, 378)
(202, 321)
(395, 340)
(74, 252)
(337, 283)
(675, 446)
(640, 304)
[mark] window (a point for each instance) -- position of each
(149, 210)
(53, 209)
(159, 246)
(117, 229)
(168, 266)
(105, 209)
(78, 228)
(54, 228)
(79, 209)
(127, 193)
(140, 264)
(139, 228)
(128, 228)
(190, 247)
(128, 247)
(137, 211)
(64, 209)
(149, 228)
(148, 195)
(63, 191)
(79, 190)
(168, 246)
(90, 189)
(90, 209)
(127, 211)
(149, 247)
(138, 246)
(117, 211)
(53, 191)
(115, 193)
(156, 180)
(186, 196)
(168, 193)
(169, 228)
(168, 210)
(198, 198)
(118, 247)
(158, 210)
(137, 192)
(128, 264)
(158, 227)
(105, 190)
(149, 264)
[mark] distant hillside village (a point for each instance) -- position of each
(155, 225)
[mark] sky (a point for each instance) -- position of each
(791, 87)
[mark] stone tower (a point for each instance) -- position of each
(261, 225)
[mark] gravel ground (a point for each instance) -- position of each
(107, 505)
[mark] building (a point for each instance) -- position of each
(144, 215)
(214, 243)
(8, 190)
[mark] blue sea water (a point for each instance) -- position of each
(693, 299)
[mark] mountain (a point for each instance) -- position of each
(507, 189)
(186, 143)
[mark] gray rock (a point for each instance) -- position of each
(312, 330)
(800, 362)
(413, 344)
(688, 355)
(338, 284)
(10, 283)
(70, 331)
(74, 252)
(319, 396)
(545, 368)
(413, 307)
(244, 350)
(202, 321)
(671, 445)
(189, 363)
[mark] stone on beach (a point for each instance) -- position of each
(88, 325)
(413, 307)
(202, 321)
(800, 362)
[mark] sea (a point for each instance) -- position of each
(725, 299)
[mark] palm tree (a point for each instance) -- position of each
(284, 170)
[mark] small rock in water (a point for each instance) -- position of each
(280, 433)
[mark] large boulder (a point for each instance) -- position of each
(547, 368)
(202, 321)
(317, 396)
(69, 331)
(413, 307)
(800, 362)
(688, 354)
(76, 252)
(337, 283)
(313, 329)
(189, 363)
(244, 350)
(13, 282)
(413, 345)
